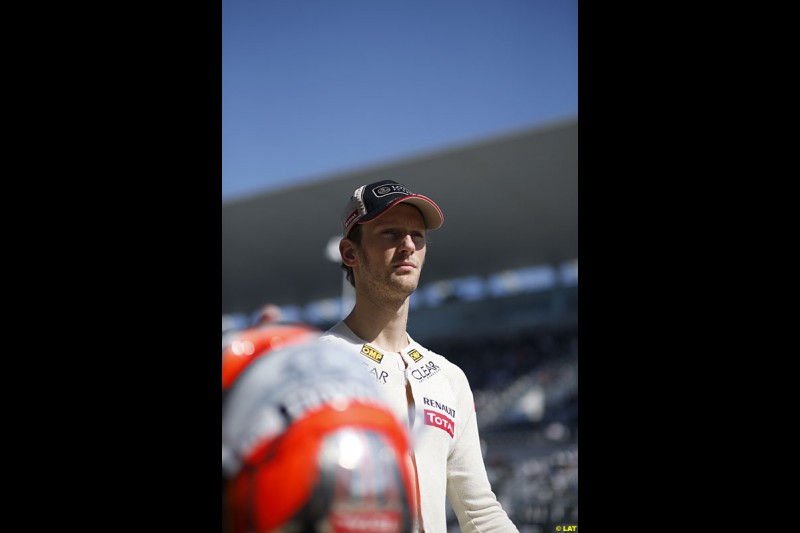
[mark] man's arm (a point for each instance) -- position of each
(468, 487)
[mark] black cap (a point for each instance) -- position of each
(368, 202)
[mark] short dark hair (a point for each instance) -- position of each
(355, 236)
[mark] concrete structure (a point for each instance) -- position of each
(508, 202)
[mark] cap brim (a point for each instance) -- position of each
(430, 211)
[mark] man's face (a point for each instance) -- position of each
(392, 253)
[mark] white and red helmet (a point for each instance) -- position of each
(308, 444)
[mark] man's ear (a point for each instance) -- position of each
(347, 251)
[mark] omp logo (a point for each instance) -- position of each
(384, 190)
(372, 353)
(432, 418)
(415, 355)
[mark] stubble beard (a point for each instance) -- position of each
(388, 286)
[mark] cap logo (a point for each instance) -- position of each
(385, 190)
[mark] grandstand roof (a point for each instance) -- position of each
(508, 202)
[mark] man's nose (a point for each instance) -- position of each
(407, 244)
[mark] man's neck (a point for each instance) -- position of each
(385, 326)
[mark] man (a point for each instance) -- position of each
(383, 248)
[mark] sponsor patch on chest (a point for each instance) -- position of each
(371, 353)
(438, 405)
(425, 371)
(380, 377)
(415, 355)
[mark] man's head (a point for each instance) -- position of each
(387, 207)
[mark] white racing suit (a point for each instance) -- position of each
(443, 428)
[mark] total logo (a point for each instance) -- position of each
(425, 371)
(432, 418)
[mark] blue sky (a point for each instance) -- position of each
(314, 88)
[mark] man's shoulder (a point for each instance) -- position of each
(439, 358)
(440, 366)
(340, 332)
(331, 336)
